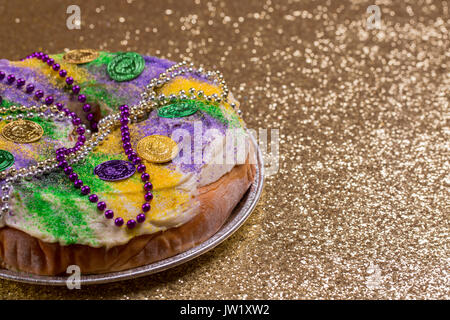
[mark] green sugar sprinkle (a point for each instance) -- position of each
(95, 92)
(53, 203)
(6, 103)
(57, 217)
(234, 122)
(104, 59)
(49, 128)
(213, 110)
(57, 56)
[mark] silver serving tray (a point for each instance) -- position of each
(236, 219)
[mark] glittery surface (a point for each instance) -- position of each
(359, 207)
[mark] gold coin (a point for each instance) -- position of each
(22, 131)
(80, 56)
(157, 148)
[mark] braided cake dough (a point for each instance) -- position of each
(51, 225)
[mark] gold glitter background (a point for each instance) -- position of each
(360, 205)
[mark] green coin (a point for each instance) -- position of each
(178, 110)
(6, 160)
(126, 66)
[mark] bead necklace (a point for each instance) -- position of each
(132, 156)
(29, 88)
(151, 100)
(56, 67)
(13, 175)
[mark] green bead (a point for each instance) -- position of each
(126, 66)
(6, 160)
(178, 109)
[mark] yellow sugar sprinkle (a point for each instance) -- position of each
(162, 175)
(80, 75)
(128, 197)
(167, 201)
(178, 84)
(112, 143)
(174, 87)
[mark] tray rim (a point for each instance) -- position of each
(239, 215)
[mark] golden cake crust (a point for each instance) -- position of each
(20, 251)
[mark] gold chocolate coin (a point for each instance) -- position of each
(22, 131)
(80, 56)
(157, 148)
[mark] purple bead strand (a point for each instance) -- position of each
(132, 156)
(70, 82)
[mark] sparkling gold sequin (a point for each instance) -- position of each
(22, 131)
(157, 148)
